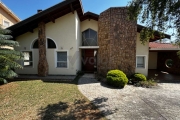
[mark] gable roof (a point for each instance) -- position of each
(57, 11)
(47, 15)
(162, 46)
(4, 7)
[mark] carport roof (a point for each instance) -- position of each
(154, 46)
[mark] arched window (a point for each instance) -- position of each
(50, 44)
(35, 44)
(89, 38)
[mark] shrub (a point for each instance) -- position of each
(2, 81)
(148, 84)
(116, 78)
(138, 77)
(80, 73)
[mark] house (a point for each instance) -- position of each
(62, 40)
(7, 17)
(163, 57)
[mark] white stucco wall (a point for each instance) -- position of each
(25, 42)
(89, 24)
(152, 60)
(142, 50)
(65, 32)
(78, 43)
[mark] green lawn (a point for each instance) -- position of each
(44, 101)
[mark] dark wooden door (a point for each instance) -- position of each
(89, 60)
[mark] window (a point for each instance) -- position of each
(6, 24)
(50, 43)
(62, 59)
(140, 62)
(28, 60)
(35, 45)
(89, 37)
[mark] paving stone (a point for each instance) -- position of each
(133, 103)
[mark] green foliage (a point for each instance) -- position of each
(148, 84)
(8, 56)
(178, 53)
(116, 78)
(136, 77)
(79, 73)
(155, 14)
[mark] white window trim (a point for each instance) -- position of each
(34, 40)
(145, 57)
(22, 61)
(6, 21)
(57, 61)
(32, 43)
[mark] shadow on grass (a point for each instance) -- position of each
(79, 109)
(75, 81)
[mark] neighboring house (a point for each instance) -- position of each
(62, 40)
(7, 17)
(163, 56)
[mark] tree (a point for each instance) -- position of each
(8, 56)
(156, 14)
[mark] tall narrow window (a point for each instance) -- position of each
(89, 38)
(28, 59)
(62, 59)
(50, 43)
(140, 62)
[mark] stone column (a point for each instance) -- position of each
(43, 64)
(117, 41)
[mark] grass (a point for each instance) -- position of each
(44, 101)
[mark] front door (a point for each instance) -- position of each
(88, 60)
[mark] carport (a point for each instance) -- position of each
(163, 60)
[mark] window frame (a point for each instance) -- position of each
(32, 44)
(61, 61)
(85, 40)
(32, 61)
(144, 56)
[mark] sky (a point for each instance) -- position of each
(26, 8)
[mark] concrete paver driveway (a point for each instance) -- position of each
(133, 103)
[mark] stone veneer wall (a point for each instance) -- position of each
(117, 41)
(163, 56)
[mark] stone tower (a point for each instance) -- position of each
(117, 41)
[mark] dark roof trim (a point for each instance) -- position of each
(53, 12)
(89, 15)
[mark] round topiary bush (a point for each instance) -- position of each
(139, 77)
(116, 78)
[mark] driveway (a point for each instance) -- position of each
(133, 103)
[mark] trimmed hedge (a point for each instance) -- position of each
(137, 77)
(116, 78)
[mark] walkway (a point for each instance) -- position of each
(133, 103)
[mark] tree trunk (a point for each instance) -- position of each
(43, 64)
